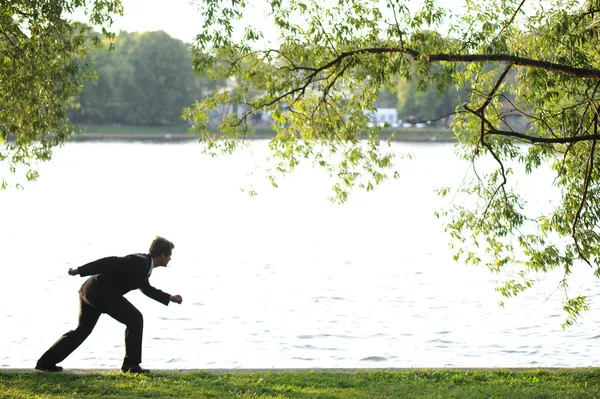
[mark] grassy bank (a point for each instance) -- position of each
(472, 384)
(426, 134)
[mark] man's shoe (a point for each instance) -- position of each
(134, 369)
(48, 367)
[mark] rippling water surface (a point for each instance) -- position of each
(283, 279)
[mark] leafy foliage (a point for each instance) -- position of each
(513, 60)
(43, 65)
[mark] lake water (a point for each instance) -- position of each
(283, 279)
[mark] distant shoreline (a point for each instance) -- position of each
(179, 137)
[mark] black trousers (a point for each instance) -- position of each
(116, 307)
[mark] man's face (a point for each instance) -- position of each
(163, 260)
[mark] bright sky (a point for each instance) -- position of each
(183, 20)
(179, 18)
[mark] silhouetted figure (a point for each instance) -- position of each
(111, 278)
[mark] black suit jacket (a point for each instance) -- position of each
(116, 275)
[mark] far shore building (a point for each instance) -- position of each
(383, 115)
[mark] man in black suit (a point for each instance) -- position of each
(111, 278)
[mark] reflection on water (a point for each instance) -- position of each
(284, 279)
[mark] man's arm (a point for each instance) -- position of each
(108, 265)
(156, 294)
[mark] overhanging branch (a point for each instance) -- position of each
(586, 183)
(591, 73)
(537, 139)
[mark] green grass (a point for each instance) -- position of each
(488, 384)
(427, 134)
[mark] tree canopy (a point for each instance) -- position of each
(44, 61)
(537, 61)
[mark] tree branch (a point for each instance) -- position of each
(586, 184)
(591, 73)
(509, 22)
(494, 90)
(537, 139)
(479, 113)
(393, 6)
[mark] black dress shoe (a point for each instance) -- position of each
(134, 369)
(48, 367)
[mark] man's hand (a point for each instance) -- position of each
(176, 298)
(73, 272)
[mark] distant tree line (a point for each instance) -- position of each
(145, 80)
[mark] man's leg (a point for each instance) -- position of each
(88, 317)
(124, 312)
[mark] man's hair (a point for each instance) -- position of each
(161, 246)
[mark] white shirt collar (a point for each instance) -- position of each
(151, 266)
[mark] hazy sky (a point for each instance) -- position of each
(182, 20)
(179, 18)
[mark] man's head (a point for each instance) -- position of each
(161, 250)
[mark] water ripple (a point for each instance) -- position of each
(329, 299)
(324, 336)
(374, 359)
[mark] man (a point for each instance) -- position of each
(111, 278)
